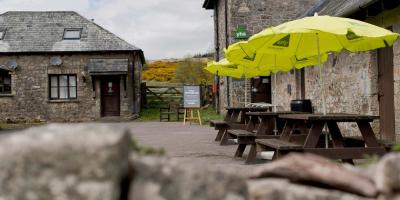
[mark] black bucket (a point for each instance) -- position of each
(301, 105)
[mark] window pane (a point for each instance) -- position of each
(53, 81)
(63, 92)
(72, 34)
(72, 80)
(63, 80)
(7, 80)
(72, 92)
(54, 93)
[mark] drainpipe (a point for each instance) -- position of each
(217, 57)
(226, 45)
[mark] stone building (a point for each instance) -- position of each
(359, 83)
(60, 66)
(236, 20)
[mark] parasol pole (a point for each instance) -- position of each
(275, 110)
(322, 85)
(245, 92)
(275, 101)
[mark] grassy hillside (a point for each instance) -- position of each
(183, 71)
(160, 71)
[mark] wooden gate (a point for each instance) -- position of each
(160, 96)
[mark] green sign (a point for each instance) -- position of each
(241, 33)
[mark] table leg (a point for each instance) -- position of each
(266, 126)
(228, 116)
(243, 117)
(314, 134)
(240, 150)
(252, 123)
(251, 158)
(220, 134)
(287, 130)
(235, 116)
(225, 138)
(337, 138)
(368, 134)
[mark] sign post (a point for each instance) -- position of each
(192, 103)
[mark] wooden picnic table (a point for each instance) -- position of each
(338, 149)
(240, 112)
(265, 125)
(235, 118)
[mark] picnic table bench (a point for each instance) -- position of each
(338, 149)
(262, 125)
(235, 118)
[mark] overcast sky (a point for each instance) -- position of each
(162, 28)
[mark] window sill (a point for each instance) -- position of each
(63, 101)
(7, 95)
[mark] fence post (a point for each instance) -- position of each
(143, 96)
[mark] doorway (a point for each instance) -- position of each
(261, 90)
(110, 96)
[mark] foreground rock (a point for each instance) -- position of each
(63, 162)
(387, 174)
(283, 189)
(161, 179)
(313, 169)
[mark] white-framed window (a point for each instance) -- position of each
(62, 86)
(5, 82)
(72, 34)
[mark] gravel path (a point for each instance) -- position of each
(189, 144)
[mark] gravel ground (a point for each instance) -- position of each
(189, 144)
(192, 144)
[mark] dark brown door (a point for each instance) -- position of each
(110, 96)
(261, 89)
(386, 93)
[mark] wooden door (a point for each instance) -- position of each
(261, 89)
(386, 93)
(110, 96)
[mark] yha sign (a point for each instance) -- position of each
(241, 33)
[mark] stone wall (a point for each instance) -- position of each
(30, 89)
(350, 84)
(94, 161)
(64, 162)
(285, 90)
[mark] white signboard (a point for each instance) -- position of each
(191, 96)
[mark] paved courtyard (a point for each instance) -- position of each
(189, 144)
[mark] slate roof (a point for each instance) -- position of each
(43, 32)
(108, 66)
(341, 8)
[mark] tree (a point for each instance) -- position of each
(191, 71)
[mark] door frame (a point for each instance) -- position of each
(387, 122)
